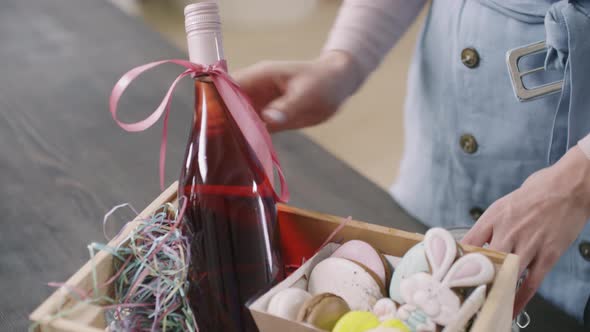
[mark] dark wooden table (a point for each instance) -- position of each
(64, 163)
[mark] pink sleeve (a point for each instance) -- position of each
(368, 29)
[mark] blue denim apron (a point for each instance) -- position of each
(469, 141)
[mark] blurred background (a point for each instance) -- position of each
(368, 133)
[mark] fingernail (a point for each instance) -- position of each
(274, 116)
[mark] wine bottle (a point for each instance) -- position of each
(231, 210)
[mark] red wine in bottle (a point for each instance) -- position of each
(231, 213)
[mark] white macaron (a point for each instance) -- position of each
(286, 303)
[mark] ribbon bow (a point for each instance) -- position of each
(240, 109)
(567, 24)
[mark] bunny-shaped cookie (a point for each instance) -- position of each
(429, 298)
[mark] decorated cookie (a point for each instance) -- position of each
(356, 284)
(364, 253)
(428, 297)
(414, 261)
(323, 311)
(468, 309)
(356, 321)
(385, 309)
(286, 303)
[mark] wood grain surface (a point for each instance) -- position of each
(64, 163)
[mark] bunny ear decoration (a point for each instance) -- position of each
(470, 270)
(468, 309)
(441, 250)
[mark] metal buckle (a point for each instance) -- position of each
(522, 93)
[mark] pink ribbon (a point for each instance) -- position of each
(237, 103)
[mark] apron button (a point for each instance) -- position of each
(468, 143)
(585, 250)
(470, 57)
(476, 213)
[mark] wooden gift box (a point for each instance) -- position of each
(303, 232)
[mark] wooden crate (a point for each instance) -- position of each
(313, 228)
(496, 314)
(89, 318)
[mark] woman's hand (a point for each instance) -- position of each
(538, 221)
(291, 95)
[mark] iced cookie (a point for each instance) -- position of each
(356, 284)
(364, 253)
(430, 298)
(286, 303)
(385, 309)
(414, 261)
(468, 309)
(323, 311)
(356, 321)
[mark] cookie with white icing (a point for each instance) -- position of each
(430, 298)
(356, 284)
(412, 262)
(365, 254)
(385, 309)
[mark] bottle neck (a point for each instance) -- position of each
(205, 48)
(203, 30)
